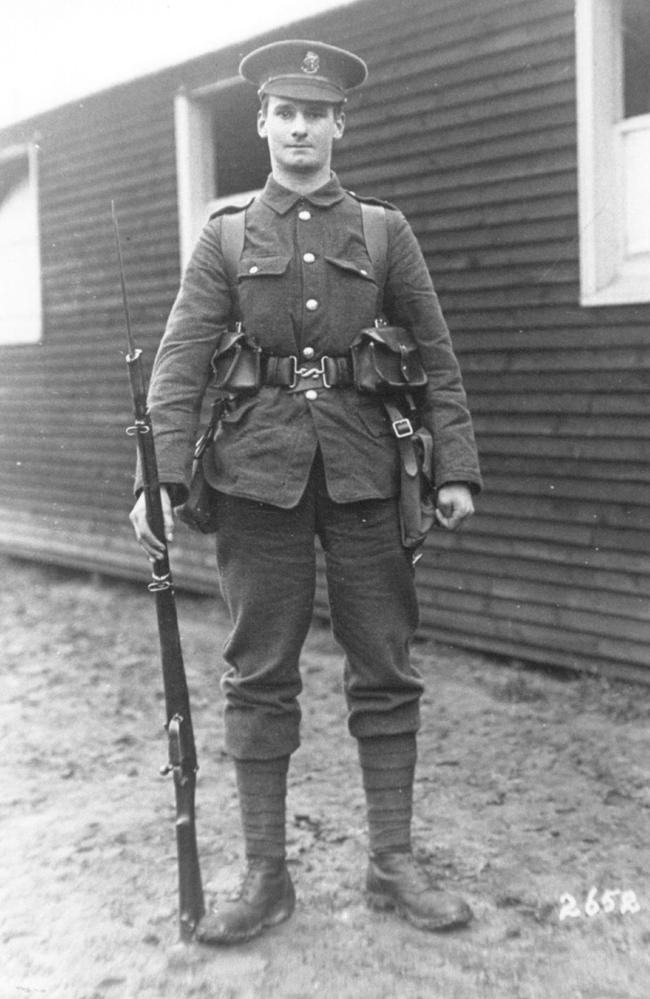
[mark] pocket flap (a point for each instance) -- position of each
(256, 266)
(361, 268)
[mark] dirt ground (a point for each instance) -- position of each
(532, 799)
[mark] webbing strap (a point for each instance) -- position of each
(233, 229)
(375, 234)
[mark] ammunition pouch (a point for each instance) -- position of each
(237, 364)
(385, 360)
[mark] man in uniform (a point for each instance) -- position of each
(305, 456)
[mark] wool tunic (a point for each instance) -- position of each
(305, 287)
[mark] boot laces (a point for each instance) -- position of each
(248, 886)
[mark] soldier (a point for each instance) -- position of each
(308, 455)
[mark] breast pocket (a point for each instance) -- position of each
(352, 292)
(264, 300)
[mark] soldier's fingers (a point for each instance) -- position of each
(168, 515)
(152, 546)
(453, 520)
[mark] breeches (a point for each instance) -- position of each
(267, 566)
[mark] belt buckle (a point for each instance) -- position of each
(313, 372)
(402, 427)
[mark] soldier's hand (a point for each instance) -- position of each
(138, 517)
(454, 505)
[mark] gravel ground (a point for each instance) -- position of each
(532, 799)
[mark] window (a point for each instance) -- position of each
(220, 158)
(613, 92)
(636, 53)
(20, 266)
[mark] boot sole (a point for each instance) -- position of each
(381, 902)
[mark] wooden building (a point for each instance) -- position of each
(515, 136)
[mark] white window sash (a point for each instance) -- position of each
(614, 247)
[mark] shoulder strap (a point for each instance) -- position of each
(375, 234)
(233, 232)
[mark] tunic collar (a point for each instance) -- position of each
(281, 199)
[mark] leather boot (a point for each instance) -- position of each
(265, 898)
(397, 881)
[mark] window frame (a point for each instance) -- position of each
(608, 274)
(195, 162)
(29, 151)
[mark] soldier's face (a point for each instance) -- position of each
(300, 134)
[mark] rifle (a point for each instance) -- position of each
(182, 750)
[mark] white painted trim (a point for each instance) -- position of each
(197, 196)
(194, 169)
(633, 138)
(606, 277)
(32, 155)
(29, 151)
(14, 152)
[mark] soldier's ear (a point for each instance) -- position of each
(339, 121)
(261, 123)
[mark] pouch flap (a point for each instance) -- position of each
(229, 340)
(396, 338)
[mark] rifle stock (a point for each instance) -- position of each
(182, 763)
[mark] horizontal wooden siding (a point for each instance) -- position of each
(468, 125)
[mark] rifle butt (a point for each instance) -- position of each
(182, 763)
(190, 887)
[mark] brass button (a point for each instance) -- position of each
(311, 394)
(308, 352)
(304, 215)
(309, 258)
(254, 269)
(311, 304)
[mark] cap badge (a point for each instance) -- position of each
(310, 64)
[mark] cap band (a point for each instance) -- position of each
(297, 86)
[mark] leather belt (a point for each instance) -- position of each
(298, 375)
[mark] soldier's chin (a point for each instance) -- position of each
(303, 166)
(301, 155)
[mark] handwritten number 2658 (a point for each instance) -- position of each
(611, 900)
